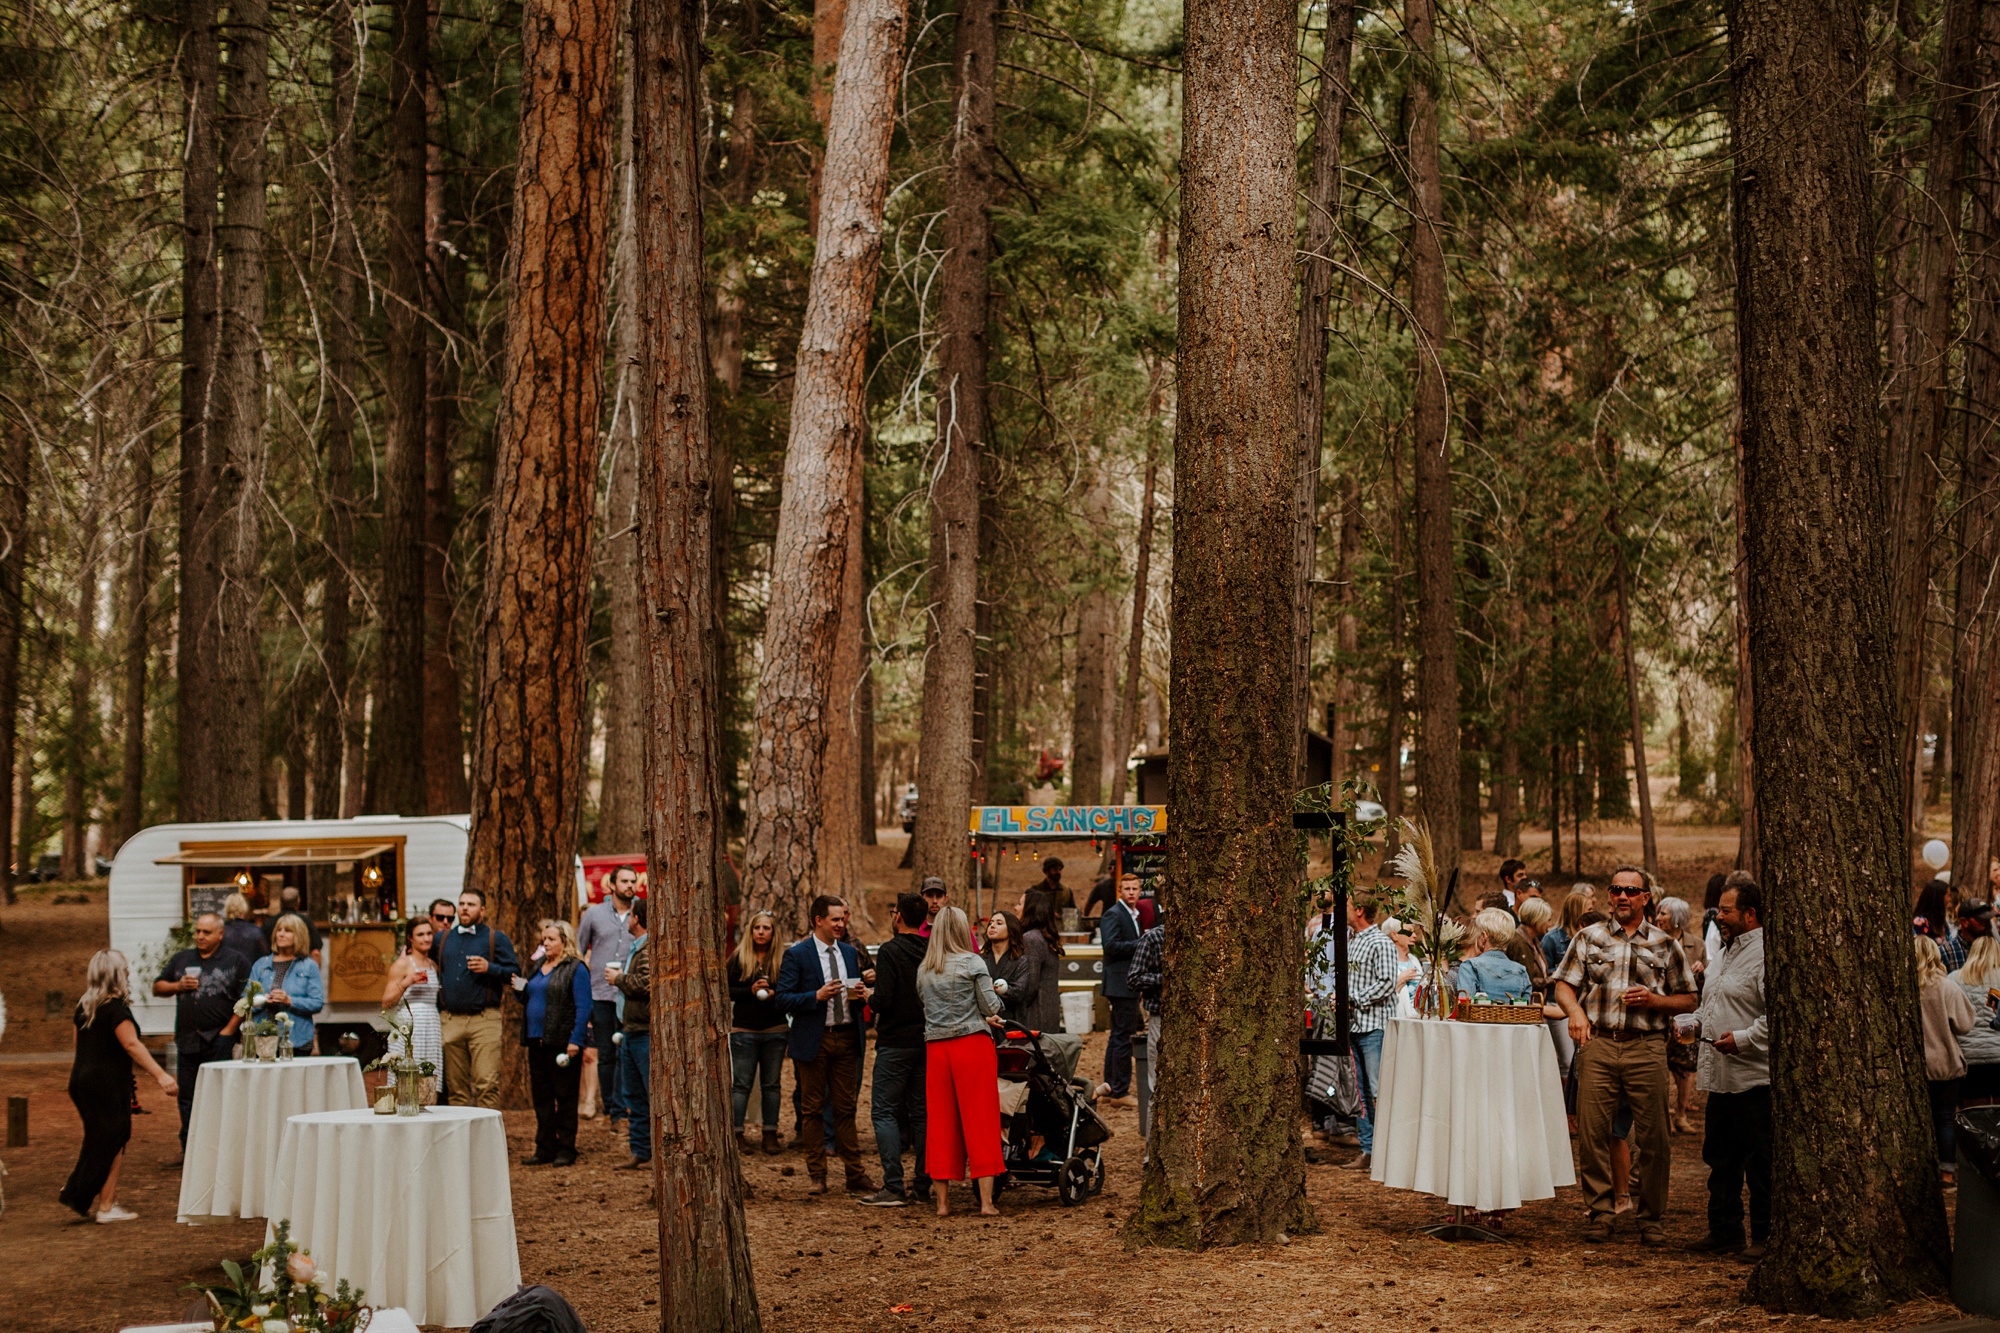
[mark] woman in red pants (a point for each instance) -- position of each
(961, 1071)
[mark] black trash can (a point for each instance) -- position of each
(1975, 1278)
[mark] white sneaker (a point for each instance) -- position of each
(116, 1214)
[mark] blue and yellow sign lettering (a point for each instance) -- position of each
(1066, 821)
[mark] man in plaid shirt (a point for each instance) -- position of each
(1620, 984)
(1371, 992)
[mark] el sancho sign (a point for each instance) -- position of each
(1066, 821)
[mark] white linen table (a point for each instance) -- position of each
(1471, 1112)
(240, 1109)
(415, 1211)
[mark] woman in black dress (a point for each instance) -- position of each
(100, 1084)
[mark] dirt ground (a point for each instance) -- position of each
(829, 1264)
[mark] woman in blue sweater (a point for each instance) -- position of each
(557, 996)
(291, 979)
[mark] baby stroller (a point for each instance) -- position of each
(1059, 1110)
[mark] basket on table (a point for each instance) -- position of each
(1502, 1013)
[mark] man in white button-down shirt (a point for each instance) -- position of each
(1735, 1072)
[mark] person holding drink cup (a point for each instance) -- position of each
(820, 984)
(204, 982)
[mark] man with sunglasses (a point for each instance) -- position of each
(1620, 984)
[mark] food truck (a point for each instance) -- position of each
(357, 879)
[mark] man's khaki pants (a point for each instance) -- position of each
(472, 1058)
(1608, 1072)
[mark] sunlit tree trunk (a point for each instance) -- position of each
(1859, 1219)
(704, 1247)
(944, 756)
(1316, 241)
(396, 749)
(815, 539)
(1226, 1166)
(1437, 596)
(529, 771)
(201, 326)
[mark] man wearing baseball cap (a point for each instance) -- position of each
(935, 896)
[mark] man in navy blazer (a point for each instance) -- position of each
(1118, 932)
(820, 985)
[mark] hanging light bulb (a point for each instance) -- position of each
(243, 881)
(371, 878)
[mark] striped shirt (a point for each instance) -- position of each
(1371, 979)
(1604, 962)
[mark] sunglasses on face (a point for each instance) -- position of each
(1621, 891)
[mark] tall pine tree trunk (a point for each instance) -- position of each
(1341, 726)
(621, 799)
(1316, 236)
(1226, 1166)
(445, 791)
(796, 707)
(15, 459)
(233, 489)
(1437, 598)
(81, 724)
(1749, 856)
(396, 752)
(1917, 417)
(1091, 694)
(1859, 1220)
(138, 646)
(704, 1247)
(529, 772)
(337, 717)
(1142, 573)
(944, 756)
(201, 328)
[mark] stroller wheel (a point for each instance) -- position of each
(1073, 1181)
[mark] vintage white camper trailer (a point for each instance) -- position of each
(356, 877)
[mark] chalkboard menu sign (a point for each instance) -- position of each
(207, 898)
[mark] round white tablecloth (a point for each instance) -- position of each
(1471, 1112)
(416, 1211)
(240, 1109)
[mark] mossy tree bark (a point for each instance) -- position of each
(528, 773)
(1859, 1218)
(705, 1277)
(1226, 1162)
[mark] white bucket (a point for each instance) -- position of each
(1076, 1009)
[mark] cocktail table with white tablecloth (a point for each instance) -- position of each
(240, 1109)
(415, 1211)
(1471, 1112)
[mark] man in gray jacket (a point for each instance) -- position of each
(1735, 1072)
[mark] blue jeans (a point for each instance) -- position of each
(756, 1057)
(1368, 1060)
(899, 1094)
(634, 1082)
(603, 1025)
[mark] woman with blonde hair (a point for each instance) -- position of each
(1947, 1016)
(757, 1028)
(100, 1086)
(1569, 921)
(1981, 1046)
(961, 1070)
(556, 995)
(291, 979)
(1488, 970)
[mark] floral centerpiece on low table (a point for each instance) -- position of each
(261, 1028)
(1439, 940)
(280, 1290)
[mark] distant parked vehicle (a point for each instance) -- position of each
(906, 809)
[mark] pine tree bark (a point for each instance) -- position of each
(1142, 573)
(396, 752)
(529, 774)
(621, 799)
(138, 646)
(336, 719)
(811, 553)
(1226, 1165)
(1918, 414)
(1437, 598)
(1859, 1218)
(1316, 237)
(233, 488)
(704, 1247)
(201, 327)
(1975, 660)
(1092, 689)
(944, 739)
(1749, 855)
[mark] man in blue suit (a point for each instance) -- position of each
(820, 985)
(1119, 934)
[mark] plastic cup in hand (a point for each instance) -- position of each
(191, 973)
(1687, 1028)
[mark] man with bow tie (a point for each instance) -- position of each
(476, 964)
(823, 986)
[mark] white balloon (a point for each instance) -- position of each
(1936, 854)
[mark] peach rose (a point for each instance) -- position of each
(299, 1268)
